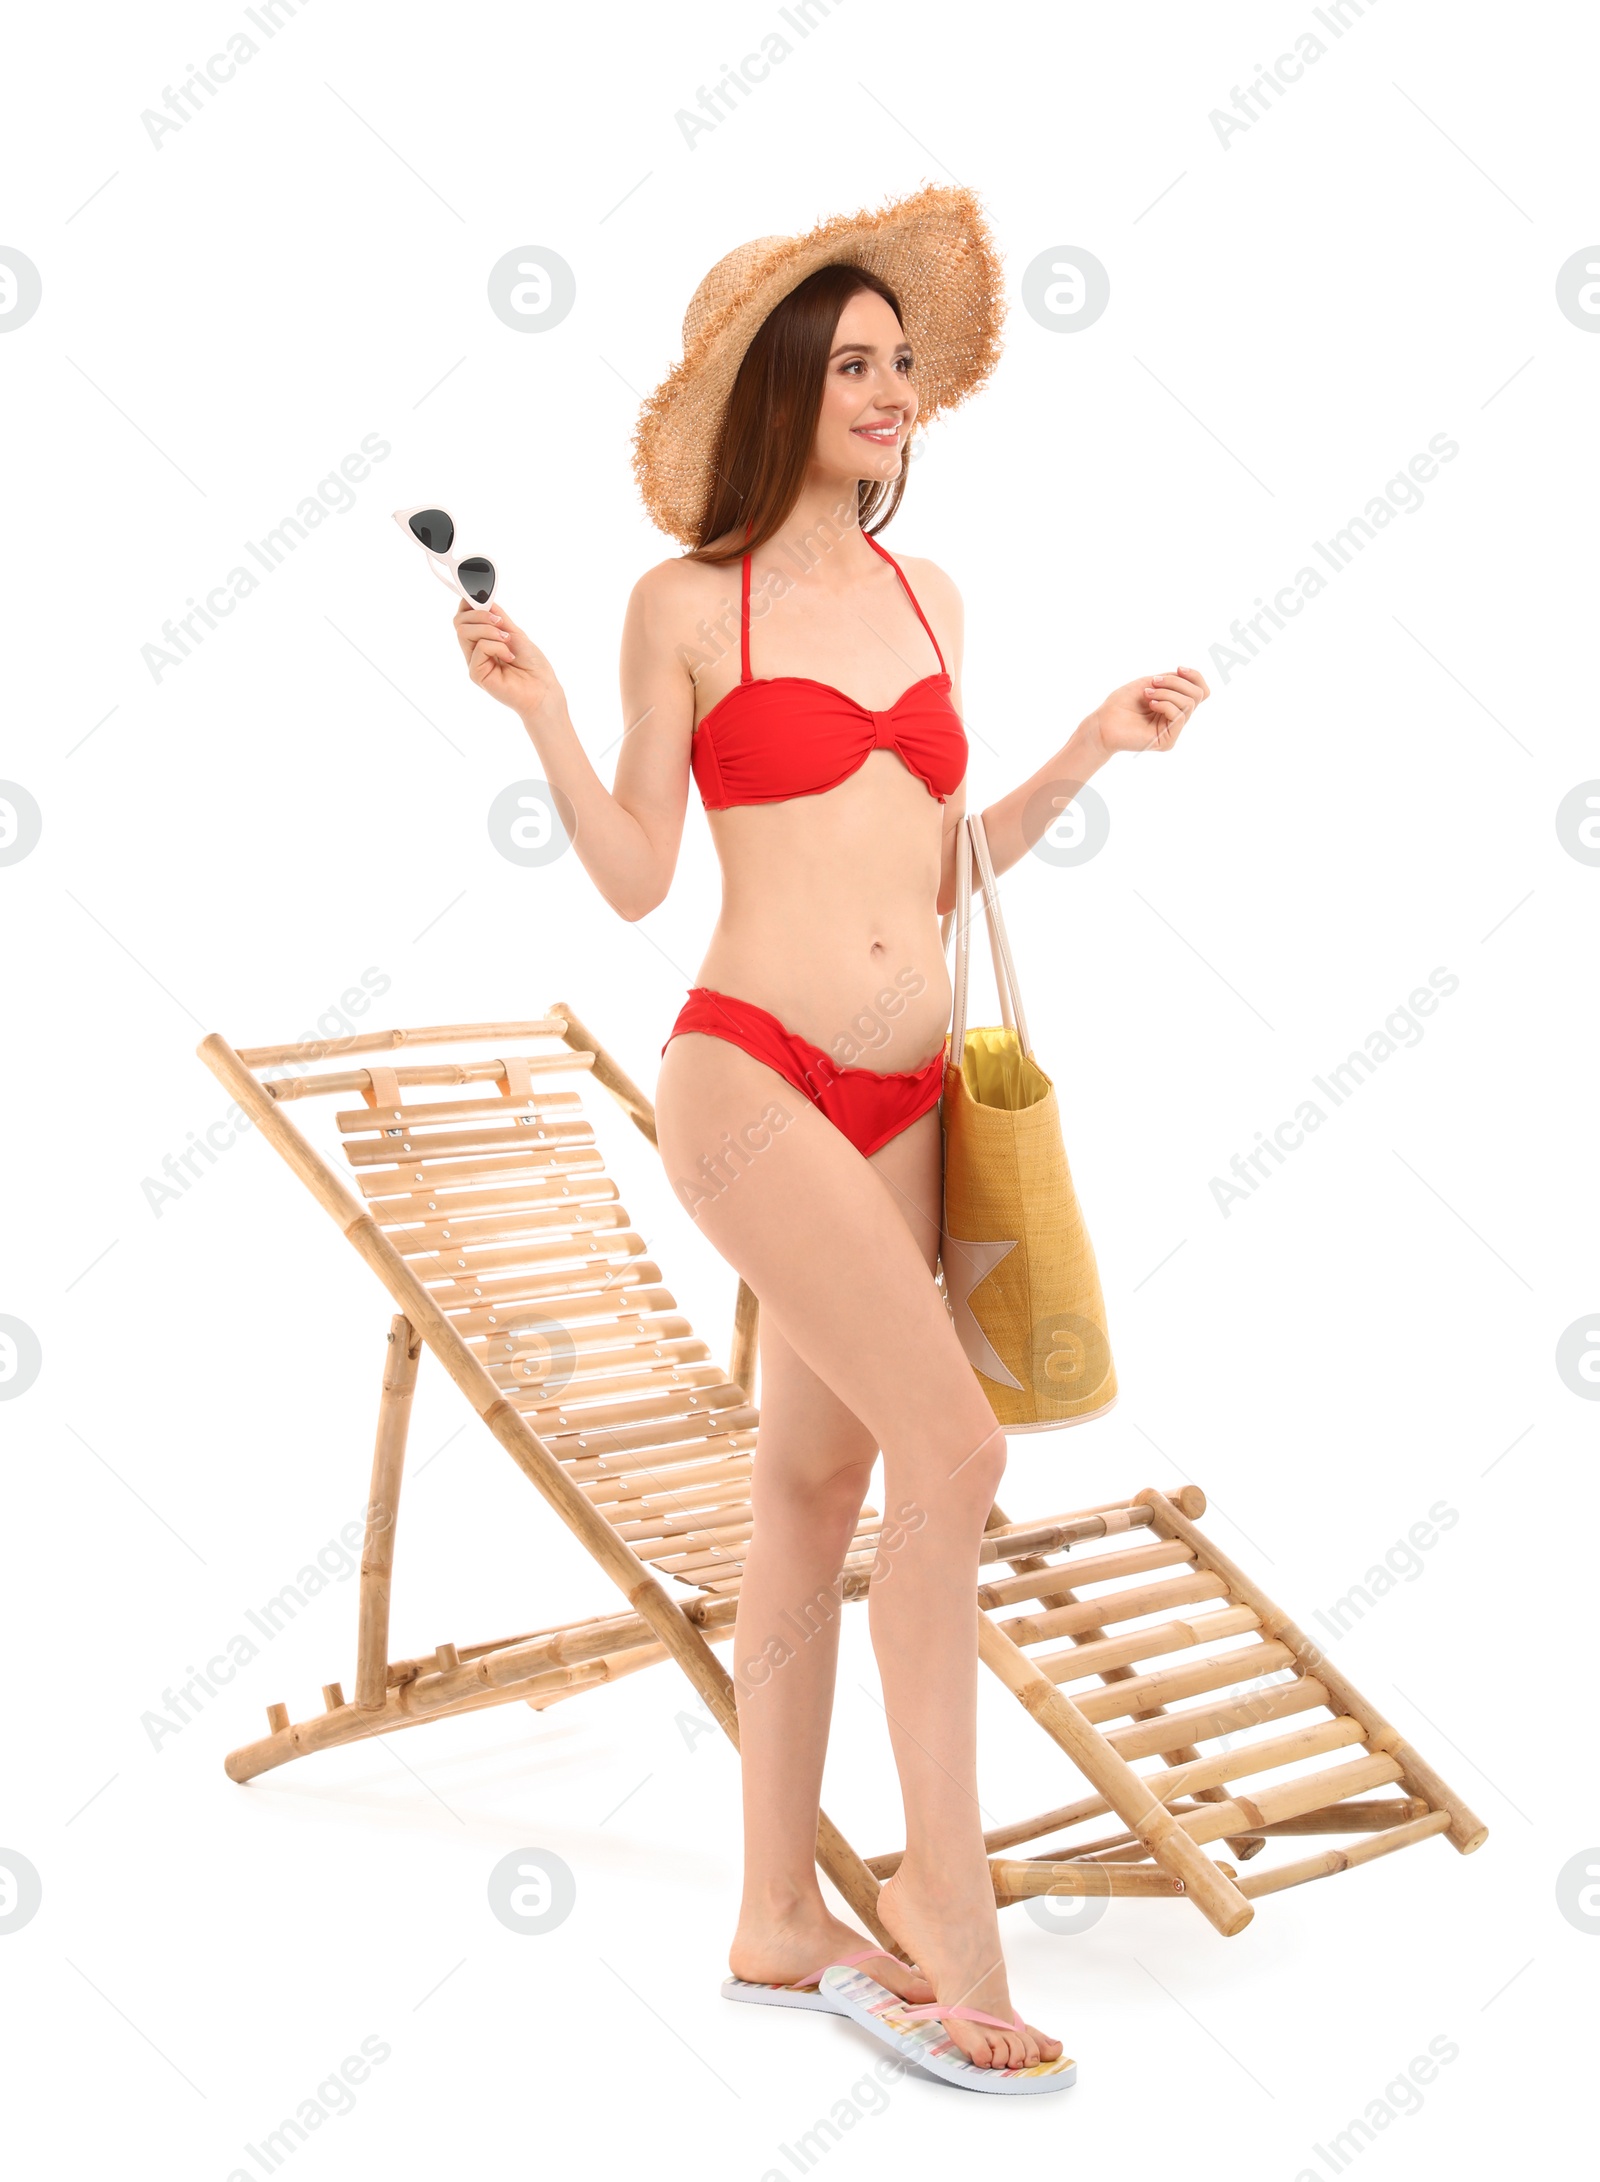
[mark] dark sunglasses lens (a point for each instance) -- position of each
(477, 579)
(434, 529)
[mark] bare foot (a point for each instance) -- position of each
(956, 1933)
(779, 1950)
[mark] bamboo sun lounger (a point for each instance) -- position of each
(486, 1212)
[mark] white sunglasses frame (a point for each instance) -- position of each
(439, 562)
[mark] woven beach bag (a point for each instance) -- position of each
(1016, 1261)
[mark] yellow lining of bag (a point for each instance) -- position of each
(999, 1074)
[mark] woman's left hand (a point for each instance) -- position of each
(1150, 714)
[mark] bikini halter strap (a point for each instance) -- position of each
(744, 622)
(744, 609)
(911, 595)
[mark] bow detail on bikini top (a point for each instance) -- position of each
(785, 735)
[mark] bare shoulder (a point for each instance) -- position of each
(933, 587)
(940, 600)
(679, 591)
(669, 584)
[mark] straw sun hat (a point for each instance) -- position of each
(933, 249)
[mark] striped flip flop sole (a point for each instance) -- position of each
(778, 1996)
(929, 2046)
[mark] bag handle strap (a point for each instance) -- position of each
(973, 848)
(962, 920)
(1005, 967)
(990, 900)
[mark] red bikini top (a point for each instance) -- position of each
(784, 735)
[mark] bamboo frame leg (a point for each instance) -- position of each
(1115, 1779)
(1331, 1861)
(383, 1509)
(645, 1593)
(1352, 1816)
(1466, 1830)
(617, 1081)
(746, 1330)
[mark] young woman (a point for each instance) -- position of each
(811, 686)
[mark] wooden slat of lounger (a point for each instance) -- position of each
(628, 1306)
(579, 1264)
(666, 1424)
(694, 1546)
(628, 1498)
(1191, 1679)
(664, 1440)
(1231, 1715)
(391, 1041)
(1311, 1792)
(700, 1383)
(635, 1332)
(1314, 1739)
(587, 1259)
(692, 1566)
(580, 1408)
(547, 1293)
(697, 1508)
(1090, 1568)
(1356, 1814)
(622, 1370)
(675, 1473)
(424, 1146)
(589, 1267)
(614, 1314)
(659, 1458)
(1329, 1861)
(716, 1534)
(644, 1363)
(721, 1579)
(667, 1406)
(535, 1340)
(1077, 1660)
(353, 1120)
(599, 1441)
(565, 1062)
(1052, 1534)
(440, 1232)
(419, 1178)
(574, 1188)
(703, 1490)
(659, 1480)
(456, 1262)
(1178, 1730)
(1168, 1784)
(718, 1520)
(1126, 1604)
(530, 1367)
(662, 1334)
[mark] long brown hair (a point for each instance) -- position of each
(770, 422)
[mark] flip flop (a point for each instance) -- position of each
(918, 2036)
(805, 1992)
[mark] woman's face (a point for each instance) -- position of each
(868, 401)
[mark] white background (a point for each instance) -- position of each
(1292, 318)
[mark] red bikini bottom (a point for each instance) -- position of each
(863, 1105)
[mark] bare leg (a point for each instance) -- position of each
(839, 1250)
(813, 1461)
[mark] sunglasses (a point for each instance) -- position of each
(435, 532)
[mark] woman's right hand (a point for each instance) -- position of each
(504, 660)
